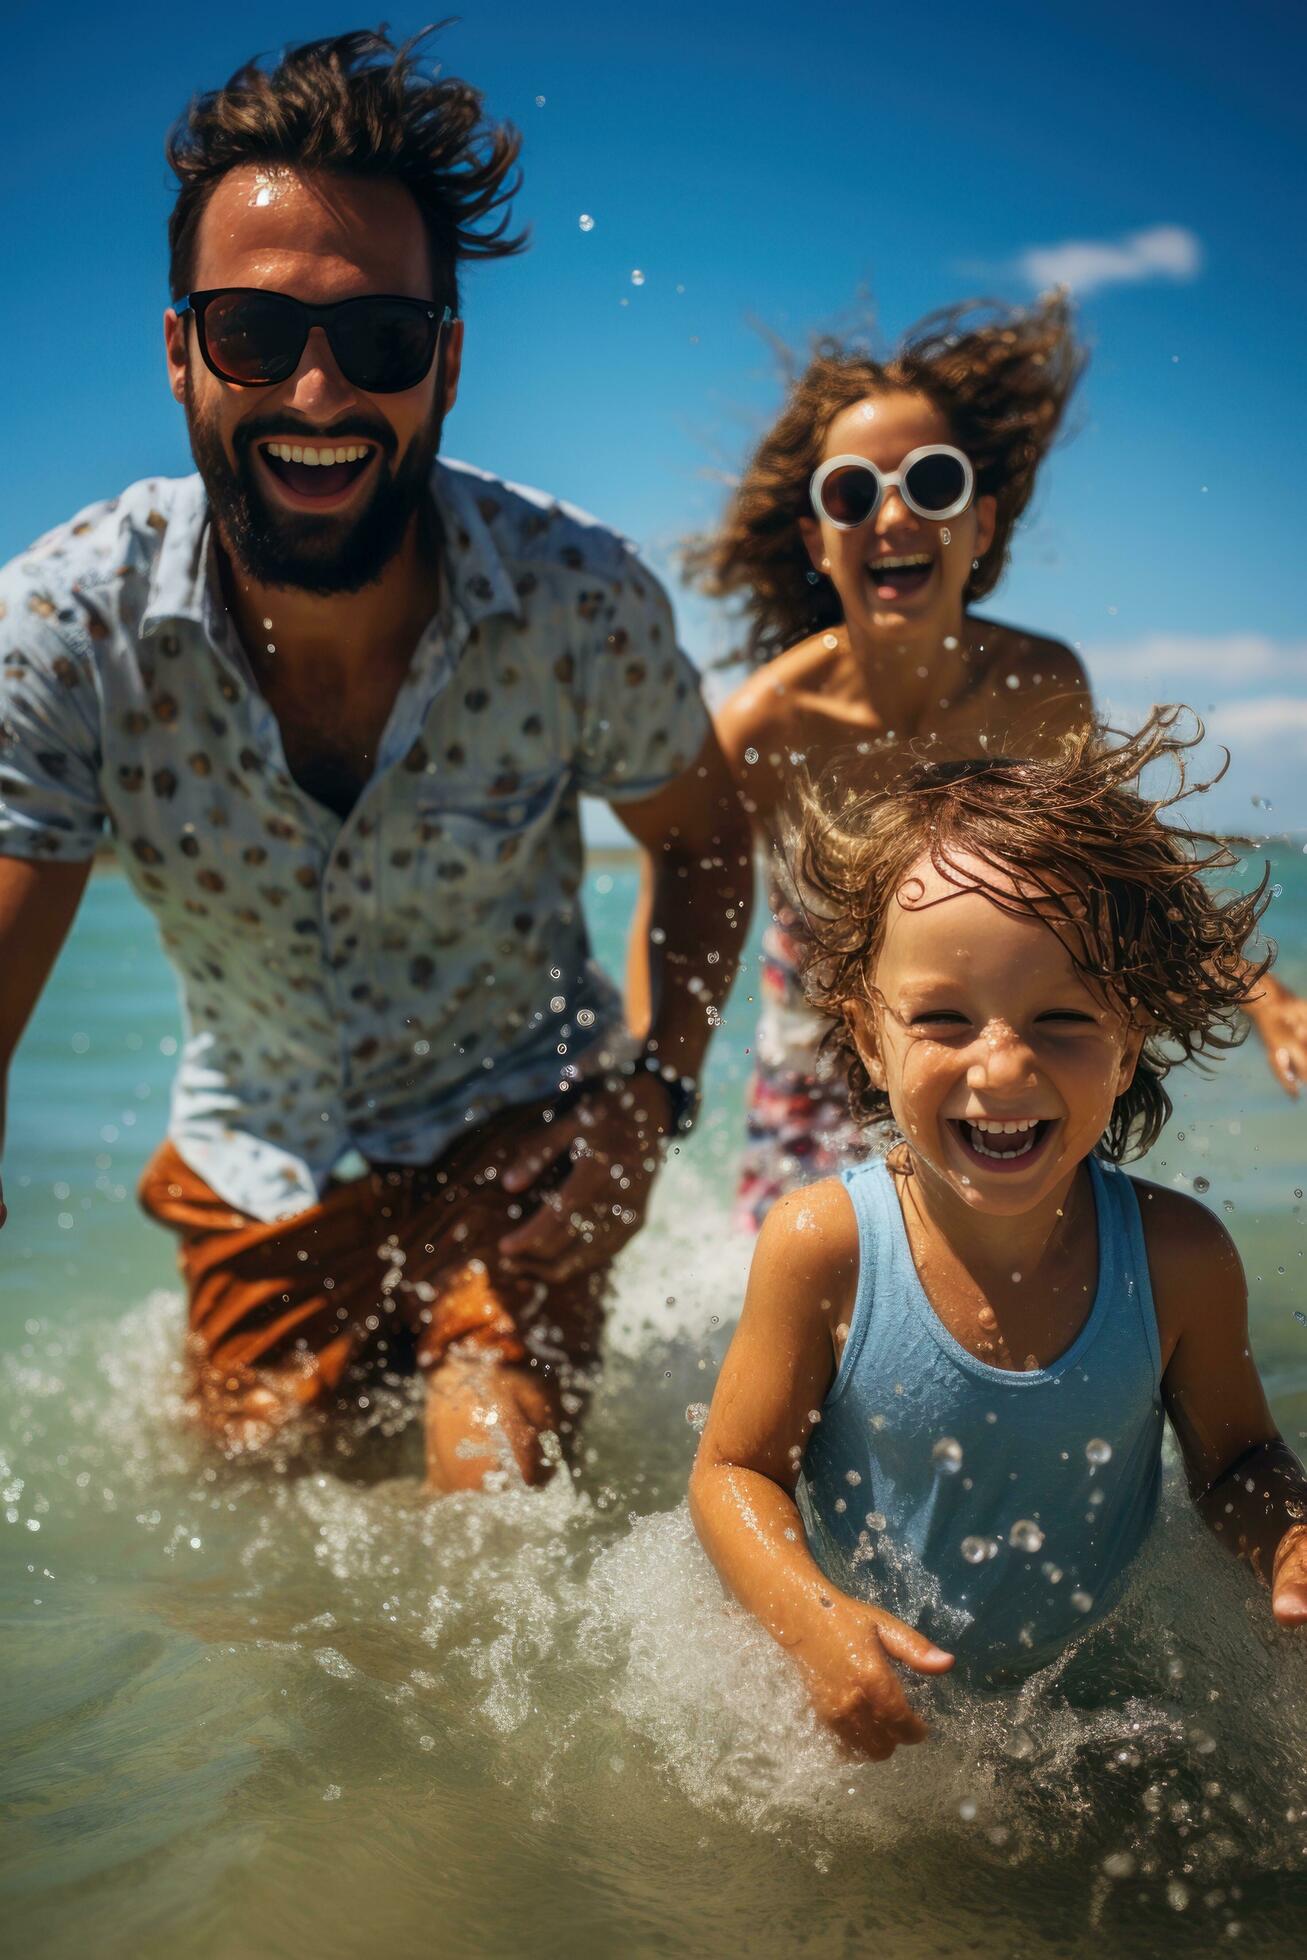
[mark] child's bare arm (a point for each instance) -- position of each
(777, 1371)
(1245, 1479)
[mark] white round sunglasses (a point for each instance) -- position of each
(935, 481)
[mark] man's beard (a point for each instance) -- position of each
(321, 555)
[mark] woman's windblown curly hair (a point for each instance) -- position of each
(356, 104)
(1001, 375)
(1072, 842)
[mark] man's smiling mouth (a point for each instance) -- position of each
(317, 472)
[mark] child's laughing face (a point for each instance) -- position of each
(1000, 1063)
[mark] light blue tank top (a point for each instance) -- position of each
(995, 1511)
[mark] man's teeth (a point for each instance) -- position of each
(294, 452)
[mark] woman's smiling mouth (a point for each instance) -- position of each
(900, 577)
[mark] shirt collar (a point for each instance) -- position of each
(179, 581)
(479, 580)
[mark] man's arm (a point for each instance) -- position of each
(700, 893)
(1244, 1478)
(37, 906)
(695, 902)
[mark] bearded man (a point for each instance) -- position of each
(337, 700)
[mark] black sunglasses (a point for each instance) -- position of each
(381, 342)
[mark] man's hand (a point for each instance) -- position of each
(1280, 1018)
(1289, 1582)
(612, 1136)
(853, 1686)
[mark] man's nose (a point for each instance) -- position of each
(317, 383)
(1002, 1059)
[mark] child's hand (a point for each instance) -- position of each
(1289, 1585)
(854, 1688)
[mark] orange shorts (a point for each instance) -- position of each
(393, 1270)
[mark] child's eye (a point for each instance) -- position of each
(939, 1017)
(1069, 1014)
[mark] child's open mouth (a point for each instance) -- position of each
(900, 578)
(1002, 1144)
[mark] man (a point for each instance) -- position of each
(337, 700)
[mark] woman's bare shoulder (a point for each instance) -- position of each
(762, 713)
(1035, 686)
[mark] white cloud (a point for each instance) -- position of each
(1219, 661)
(1086, 264)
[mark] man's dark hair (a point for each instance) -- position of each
(358, 105)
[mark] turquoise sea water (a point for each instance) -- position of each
(263, 1714)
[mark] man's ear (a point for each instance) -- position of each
(451, 364)
(174, 346)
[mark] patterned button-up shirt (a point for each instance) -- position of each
(375, 983)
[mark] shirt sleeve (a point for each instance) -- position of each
(50, 801)
(643, 717)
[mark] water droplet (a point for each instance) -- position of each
(1119, 1864)
(1177, 1895)
(1202, 1184)
(830, 641)
(1227, 1204)
(637, 277)
(945, 535)
(947, 1455)
(1082, 1601)
(1025, 1536)
(557, 1004)
(540, 102)
(586, 222)
(967, 1810)
(585, 1017)
(1098, 1451)
(1019, 1745)
(1128, 1757)
(1013, 680)
(1296, 1192)
(751, 755)
(1053, 1573)
(876, 1520)
(1299, 1315)
(976, 1550)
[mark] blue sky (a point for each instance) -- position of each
(778, 164)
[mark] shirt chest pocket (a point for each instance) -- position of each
(479, 842)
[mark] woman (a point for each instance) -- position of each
(871, 521)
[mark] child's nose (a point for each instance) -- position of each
(1003, 1060)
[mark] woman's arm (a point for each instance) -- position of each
(775, 1376)
(1245, 1480)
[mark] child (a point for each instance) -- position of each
(959, 1357)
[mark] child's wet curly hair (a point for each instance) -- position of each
(1001, 375)
(1128, 894)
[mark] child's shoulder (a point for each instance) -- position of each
(809, 1240)
(1192, 1261)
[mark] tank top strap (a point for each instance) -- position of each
(1123, 1255)
(885, 1270)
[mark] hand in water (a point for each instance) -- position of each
(1289, 1586)
(1280, 1018)
(612, 1137)
(854, 1688)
